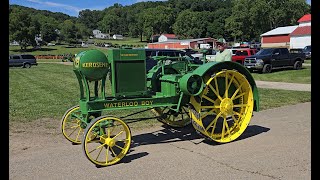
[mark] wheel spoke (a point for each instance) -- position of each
(78, 134)
(107, 154)
(230, 82)
(214, 121)
(118, 134)
(108, 132)
(223, 125)
(96, 148)
(226, 85)
(74, 126)
(235, 93)
(206, 114)
(237, 113)
(115, 155)
(235, 120)
(216, 84)
(72, 132)
(240, 105)
(215, 92)
(238, 96)
(209, 107)
(119, 147)
(209, 99)
(98, 154)
(214, 126)
(227, 126)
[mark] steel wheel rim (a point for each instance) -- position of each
(169, 117)
(223, 118)
(110, 144)
(71, 126)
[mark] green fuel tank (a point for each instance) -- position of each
(93, 64)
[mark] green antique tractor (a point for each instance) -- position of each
(217, 98)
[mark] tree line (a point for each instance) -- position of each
(235, 20)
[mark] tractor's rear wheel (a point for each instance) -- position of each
(223, 110)
(106, 141)
(172, 118)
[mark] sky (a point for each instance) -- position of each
(72, 7)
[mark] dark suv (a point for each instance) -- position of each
(22, 60)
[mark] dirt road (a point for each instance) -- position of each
(276, 145)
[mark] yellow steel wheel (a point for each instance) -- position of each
(111, 142)
(224, 109)
(71, 126)
(172, 118)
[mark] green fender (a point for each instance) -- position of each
(214, 67)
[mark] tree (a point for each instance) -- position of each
(69, 32)
(22, 28)
(90, 18)
(190, 24)
(48, 32)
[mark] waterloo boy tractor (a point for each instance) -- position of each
(217, 98)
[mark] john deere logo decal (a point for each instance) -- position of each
(76, 62)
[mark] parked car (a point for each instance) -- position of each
(22, 60)
(241, 54)
(172, 54)
(267, 59)
(210, 55)
(307, 51)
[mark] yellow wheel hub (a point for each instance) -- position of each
(110, 142)
(226, 106)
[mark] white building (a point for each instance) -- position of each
(167, 37)
(301, 36)
(117, 36)
(97, 34)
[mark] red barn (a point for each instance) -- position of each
(301, 36)
(279, 37)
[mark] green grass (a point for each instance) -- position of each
(286, 75)
(307, 61)
(272, 98)
(48, 90)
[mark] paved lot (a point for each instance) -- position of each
(276, 145)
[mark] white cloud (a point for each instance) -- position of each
(52, 4)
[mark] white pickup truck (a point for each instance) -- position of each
(210, 55)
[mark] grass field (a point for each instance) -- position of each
(48, 90)
(286, 75)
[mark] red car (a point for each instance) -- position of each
(241, 54)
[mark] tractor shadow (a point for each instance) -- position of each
(188, 133)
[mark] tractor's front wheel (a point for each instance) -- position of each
(223, 110)
(106, 140)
